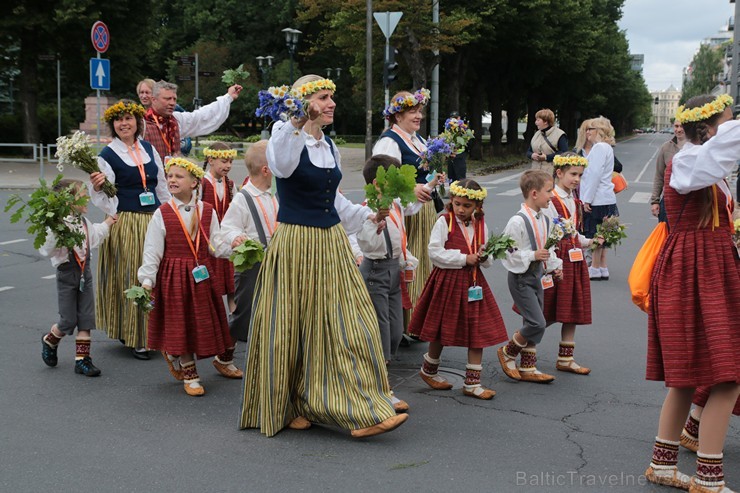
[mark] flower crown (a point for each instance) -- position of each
(309, 88)
(456, 189)
(120, 108)
(219, 153)
(402, 103)
(193, 168)
(700, 113)
(559, 161)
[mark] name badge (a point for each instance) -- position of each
(82, 283)
(409, 274)
(575, 255)
(200, 273)
(146, 198)
(547, 281)
(475, 293)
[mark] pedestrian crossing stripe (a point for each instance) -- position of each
(5, 288)
(511, 193)
(641, 197)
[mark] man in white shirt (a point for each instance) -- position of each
(252, 214)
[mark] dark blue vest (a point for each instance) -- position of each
(408, 156)
(307, 196)
(128, 180)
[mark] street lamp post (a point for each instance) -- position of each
(291, 41)
(264, 64)
(338, 72)
(657, 102)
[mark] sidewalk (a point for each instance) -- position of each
(16, 175)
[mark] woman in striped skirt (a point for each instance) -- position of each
(401, 141)
(693, 328)
(314, 353)
(136, 170)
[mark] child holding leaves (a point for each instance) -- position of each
(457, 307)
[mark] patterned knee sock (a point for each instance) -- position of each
(51, 339)
(691, 427)
(513, 348)
(528, 361)
(430, 365)
(472, 376)
(83, 348)
(665, 454)
(565, 352)
(227, 357)
(710, 470)
(190, 373)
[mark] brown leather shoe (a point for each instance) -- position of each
(695, 487)
(435, 384)
(400, 406)
(224, 370)
(572, 367)
(299, 423)
(536, 377)
(512, 373)
(689, 442)
(480, 393)
(194, 391)
(175, 372)
(385, 426)
(676, 479)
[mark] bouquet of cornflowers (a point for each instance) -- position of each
(279, 103)
(498, 245)
(612, 231)
(457, 134)
(436, 156)
(76, 152)
(557, 233)
(50, 210)
(246, 255)
(141, 297)
(396, 182)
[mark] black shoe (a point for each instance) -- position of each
(85, 367)
(48, 353)
(142, 354)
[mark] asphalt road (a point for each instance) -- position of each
(134, 430)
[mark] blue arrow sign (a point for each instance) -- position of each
(100, 74)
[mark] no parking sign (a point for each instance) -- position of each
(100, 37)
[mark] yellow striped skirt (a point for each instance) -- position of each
(314, 346)
(419, 230)
(120, 258)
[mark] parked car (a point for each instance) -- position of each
(667, 130)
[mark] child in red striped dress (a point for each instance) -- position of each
(569, 300)
(457, 307)
(189, 318)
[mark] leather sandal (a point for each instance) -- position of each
(511, 372)
(225, 370)
(677, 479)
(385, 426)
(436, 382)
(535, 376)
(571, 366)
(689, 442)
(299, 423)
(174, 371)
(196, 391)
(695, 487)
(480, 392)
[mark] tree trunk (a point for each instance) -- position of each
(28, 87)
(476, 121)
(512, 123)
(495, 108)
(533, 106)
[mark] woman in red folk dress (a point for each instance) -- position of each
(693, 328)
(457, 307)
(189, 318)
(569, 300)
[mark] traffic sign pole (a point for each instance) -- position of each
(97, 126)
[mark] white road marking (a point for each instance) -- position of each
(640, 197)
(49, 277)
(9, 242)
(5, 288)
(511, 193)
(501, 180)
(644, 168)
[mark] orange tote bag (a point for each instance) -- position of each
(642, 267)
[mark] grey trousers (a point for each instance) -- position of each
(529, 298)
(243, 294)
(76, 308)
(382, 278)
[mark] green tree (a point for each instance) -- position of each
(705, 67)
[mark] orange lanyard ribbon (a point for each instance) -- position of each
(271, 226)
(399, 224)
(139, 163)
(195, 248)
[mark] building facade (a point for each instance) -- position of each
(665, 104)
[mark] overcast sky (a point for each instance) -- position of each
(668, 32)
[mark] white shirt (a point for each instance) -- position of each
(570, 204)
(700, 166)
(205, 120)
(452, 258)
(389, 147)
(238, 219)
(596, 184)
(372, 244)
(356, 252)
(518, 261)
(95, 234)
(284, 154)
(154, 242)
(109, 205)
